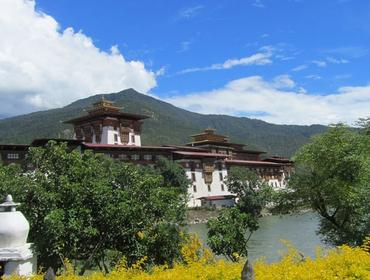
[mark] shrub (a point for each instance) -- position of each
(342, 262)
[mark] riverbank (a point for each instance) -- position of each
(203, 215)
(200, 215)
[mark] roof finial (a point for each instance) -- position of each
(8, 204)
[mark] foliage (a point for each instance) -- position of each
(332, 177)
(174, 124)
(87, 207)
(227, 234)
(173, 175)
(364, 125)
(340, 263)
(252, 192)
(230, 232)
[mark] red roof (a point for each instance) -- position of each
(103, 146)
(251, 162)
(187, 148)
(278, 159)
(201, 154)
(217, 197)
(120, 115)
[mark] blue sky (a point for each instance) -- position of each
(179, 35)
(312, 51)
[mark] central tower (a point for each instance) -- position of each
(106, 124)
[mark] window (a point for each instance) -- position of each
(133, 138)
(115, 137)
(192, 166)
(207, 177)
(194, 188)
(122, 156)
(148, 157)
(219, 166)
(13, 156)
(209, 187)
(221, 176)
(135, 157)
(193, 178)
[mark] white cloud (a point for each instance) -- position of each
(342, 76)
(190, 12)
(184, 46)
(329, 60)
(42, 66)
(261, 58)
(349, 51)
(320, 63)
(299, 68)
(160, 72)
(283, 81)
(337, 60)
(252, 95)
(313, 77)
(258, 4)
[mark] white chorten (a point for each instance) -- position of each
(16, 256)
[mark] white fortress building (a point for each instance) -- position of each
(206, 159)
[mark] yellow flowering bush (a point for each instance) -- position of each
(340, 263)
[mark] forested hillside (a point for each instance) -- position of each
(167, 125)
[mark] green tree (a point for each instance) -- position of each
(332, 177)
(364, 125)
(173, 174)
(87, 207)
(230, 232)
(252, 192)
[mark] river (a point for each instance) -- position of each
(300, 230)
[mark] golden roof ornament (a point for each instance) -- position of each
(103, 106)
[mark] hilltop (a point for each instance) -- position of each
(168, 125)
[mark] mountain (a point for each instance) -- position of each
(167, 125)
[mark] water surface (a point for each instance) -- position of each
(300, 230)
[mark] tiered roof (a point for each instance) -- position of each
(102, 109)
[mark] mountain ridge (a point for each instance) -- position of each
(159, 129)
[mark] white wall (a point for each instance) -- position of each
(216, 190)
(108, 137)
(137, 139)
(275, 184)
(202, 187)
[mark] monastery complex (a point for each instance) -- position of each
(206, 159)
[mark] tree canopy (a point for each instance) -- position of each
(229, 233)
(87, 207)
(332, 177)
